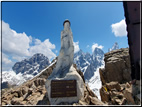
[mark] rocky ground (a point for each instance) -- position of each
(33, 92)
(115, 90)
(115, 77)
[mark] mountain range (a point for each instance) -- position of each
(88, 63)
(24, 70)
(31, 66)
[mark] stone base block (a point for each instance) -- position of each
(71, 75)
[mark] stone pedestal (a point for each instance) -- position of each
(71, 75)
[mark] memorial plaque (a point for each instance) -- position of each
(63, 88)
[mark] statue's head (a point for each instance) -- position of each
(66, 24)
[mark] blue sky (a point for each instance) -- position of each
(94, 24)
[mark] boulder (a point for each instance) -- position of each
(102, 75)
(113, 85)
(82, 102)
(105, 97)
(96, 101)
(39, 81)
(128, 95)
(117, 66)
(72, 75)
(17, 101)
(117, 101)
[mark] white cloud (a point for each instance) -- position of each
(18, 45)
(43, 47)
(119, 28)
(5, 59)
(76, 46)
(95, 45)
(6, 62)
(37, 42)
(14, 43)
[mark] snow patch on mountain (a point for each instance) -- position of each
(25, 70)
(89, 65)
(82, 60)
(15, 79)
(95, 82)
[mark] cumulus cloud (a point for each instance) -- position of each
(6, 62)
(95, 45)
(76, 46)
(20, 46)
(14, 43)
(43, 47)
(119, 28)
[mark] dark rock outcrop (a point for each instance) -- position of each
(117, 66)
(116, 76)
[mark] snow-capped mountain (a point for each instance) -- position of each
(25, 70)
(31, 66)
(89, 63)
(15, 79)
(82, 60)
(114, 47)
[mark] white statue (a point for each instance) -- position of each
(65, 58)
(64, 69)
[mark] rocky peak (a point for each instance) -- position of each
(97, 60)
(82, 60)
(32, 65)
(88, 57)
(89, 63)
(98, 54)
(114, 47)
(80, 52)
(98, 51)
